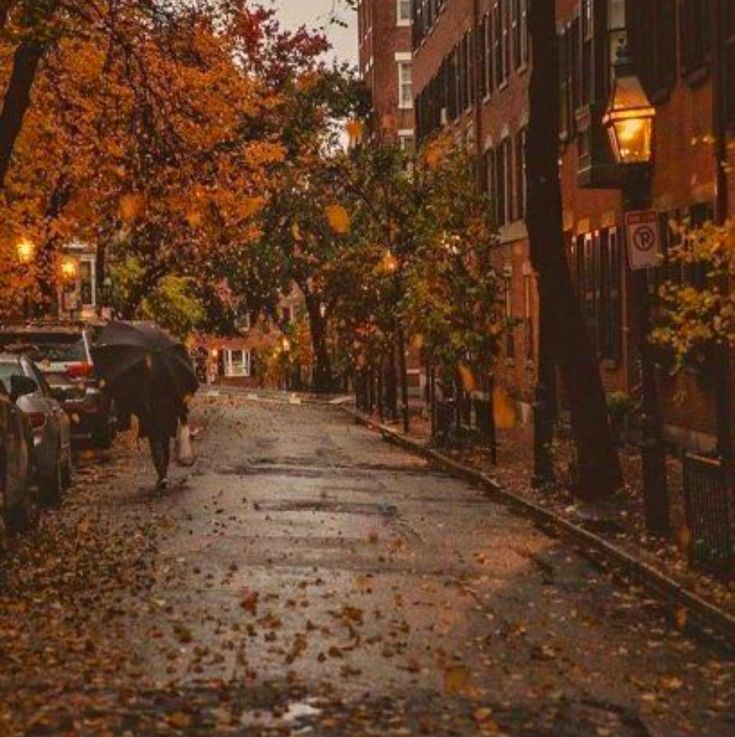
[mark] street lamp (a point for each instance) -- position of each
(629, 118)
(26, 251)
(629, 121)
(69, 270)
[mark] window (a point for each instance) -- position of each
(489, 178)
(652, 40)
(497, 45)
(405, 85)
(471, 69)
(610, 306)
(487, 55)
(406, 141)
(528, 316)
(564, 112)
(505, 50)
(520, 174)
(502, 182)
(525, 41)
(569, 90)
(86, 283)
(596, 266)
(462, 77)
(510, 342)
(515, 25)
(404, 12)
(237, 362)
(694, 26)
(587, 56)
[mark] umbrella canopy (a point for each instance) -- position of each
(130, 357)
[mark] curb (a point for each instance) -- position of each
(707, 618)
(292, 398)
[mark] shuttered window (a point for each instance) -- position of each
(694, 32)
(596, 264)
(497, 45)
(652, 39)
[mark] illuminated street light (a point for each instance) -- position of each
(69, 270)
(26, 251)
(630, 116)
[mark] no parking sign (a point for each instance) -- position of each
(644, 239)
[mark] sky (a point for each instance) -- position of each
(316, 14)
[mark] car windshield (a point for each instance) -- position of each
(8, 369)
(52, 347)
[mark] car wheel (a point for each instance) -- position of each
(104, 437)
(52, 488)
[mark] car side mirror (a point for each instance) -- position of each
(21, 385)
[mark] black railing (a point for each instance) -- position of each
(709, 512)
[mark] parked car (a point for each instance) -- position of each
(51, 426)
(62, 353)
(17, 502)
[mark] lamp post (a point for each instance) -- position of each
(25, 250)
(629, 121)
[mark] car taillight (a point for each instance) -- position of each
(38, 420)
(79, 370)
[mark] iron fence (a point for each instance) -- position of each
(709, 511)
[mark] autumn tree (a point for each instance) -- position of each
(151, 116)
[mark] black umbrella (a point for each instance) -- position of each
(131, 357)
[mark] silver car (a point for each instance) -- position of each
(50, 425)
(17, 498)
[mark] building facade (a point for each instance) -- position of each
(471, 68)
(386, 65)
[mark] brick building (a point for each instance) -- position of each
(385, 63)
(471, 66)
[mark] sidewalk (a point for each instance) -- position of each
(661, 564)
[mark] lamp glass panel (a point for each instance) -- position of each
(632, 140)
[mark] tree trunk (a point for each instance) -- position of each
(391, 385)
(323, 380)
(17, 100)
(599, 467)
(403, 371)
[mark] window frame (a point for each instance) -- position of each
(401, 20)
(405, 104)
(240, 369)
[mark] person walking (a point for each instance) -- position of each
(150, 375)
(159, 420)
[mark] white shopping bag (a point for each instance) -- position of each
(184, 450)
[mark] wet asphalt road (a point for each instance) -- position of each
(309, 578)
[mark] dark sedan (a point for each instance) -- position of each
(62, 353)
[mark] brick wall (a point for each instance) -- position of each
(381, 39)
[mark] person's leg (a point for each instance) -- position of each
(160, 452)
